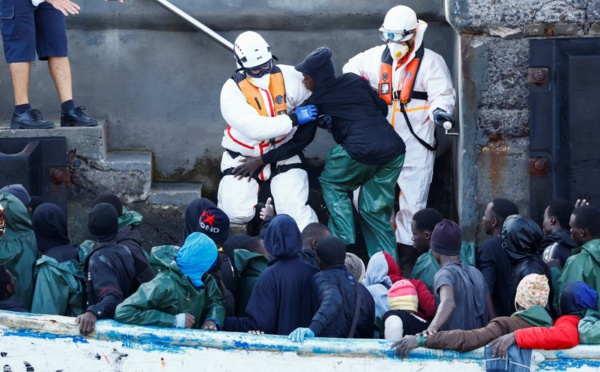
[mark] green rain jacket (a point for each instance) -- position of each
(426, 265)
(18, 247)
(249, 266)
(589, 328)
(60, 287)
(583, 266)
(158, 301)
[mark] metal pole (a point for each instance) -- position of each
(198, 25)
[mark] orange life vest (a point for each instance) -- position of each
(254, 98)
(386, 91)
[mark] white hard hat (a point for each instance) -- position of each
(251, 50)
(400, 24)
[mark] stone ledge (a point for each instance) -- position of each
(174, 194)
(88, 141)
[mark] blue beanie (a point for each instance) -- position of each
(577, 297)
(196, 257)
(318, 66)
(18, 191)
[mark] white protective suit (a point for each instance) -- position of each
(434, 78)
(251, 134)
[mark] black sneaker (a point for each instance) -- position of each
(30, 119)
(75, 117)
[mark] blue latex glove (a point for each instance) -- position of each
(440, 117)
(325, 122)
(300, 334)
(306, 114)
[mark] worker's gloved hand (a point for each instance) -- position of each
(300, 334)
(325, 122)
(306, 114)
(440, 117)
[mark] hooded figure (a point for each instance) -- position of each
(282, 299)
(19, 192)
(193, 211)
(59, 286)
(521, 239)
(18, 247)
(369, 153)
(128, 235)
(182, 286)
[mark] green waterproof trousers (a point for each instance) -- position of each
(375, 200)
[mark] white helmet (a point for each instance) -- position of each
(251, 50)
(400, 24)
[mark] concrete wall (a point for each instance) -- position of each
(494, 50)
(158, 81)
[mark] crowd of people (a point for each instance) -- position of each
(423, 285)
(523, 291)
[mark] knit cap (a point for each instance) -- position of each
(331, 251)
(532, 290)
(103, 222)
(355, 266)
(446, 238)
(403, 296)
(577, 297)
(196, 257)
(215, 224)
(111, 199)
(318, 65)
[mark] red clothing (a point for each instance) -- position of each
(563, 335)
(426, 300)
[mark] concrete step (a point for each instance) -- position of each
(134, 162)
(175, 194)
(89, 142)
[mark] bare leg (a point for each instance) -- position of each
(19, 73)
(60, 70)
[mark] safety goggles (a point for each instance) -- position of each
(395, 36)
(260, 70)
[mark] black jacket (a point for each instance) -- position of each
(12, 305)
(359, 119)
(495, 267)
(336, 292)
(558, 246)
(110, 278)
(309, 256)
(130, 237)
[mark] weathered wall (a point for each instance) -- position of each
(494, 48)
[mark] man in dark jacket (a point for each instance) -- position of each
(491, 260)
(250, 261)
(129, 236)
(521, 239)
(557, 243)
(369, 154)
(282, 298)
(338, 315)
(110, 269)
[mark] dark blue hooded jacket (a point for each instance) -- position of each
(281, 301)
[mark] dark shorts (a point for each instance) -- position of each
(26, 28)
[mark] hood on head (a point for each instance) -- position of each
(377, 271)
(50, 227)
(521, 238)
(283, 238)
(15, 213)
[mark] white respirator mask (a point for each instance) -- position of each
(397, 51)
(261, 82)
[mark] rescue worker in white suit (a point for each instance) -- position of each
(261, 105)
(416, 84)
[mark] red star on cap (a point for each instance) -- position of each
(208, 218)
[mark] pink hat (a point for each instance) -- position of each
(403, 296)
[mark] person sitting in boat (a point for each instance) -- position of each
(109, 269)
(7, 289)
(577, 301)
(182, 295)
(530, 302)
(402, 318)
(311, 235)
(282, 297)
(346, 307)
(59, 283)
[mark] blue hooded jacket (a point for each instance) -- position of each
(282, 299)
